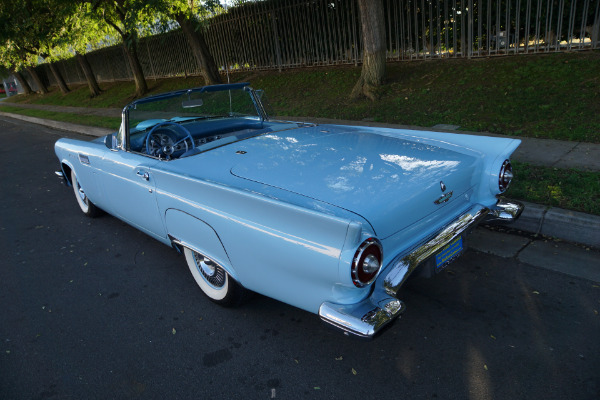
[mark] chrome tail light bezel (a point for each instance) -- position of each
(371, 246)
(505, 176)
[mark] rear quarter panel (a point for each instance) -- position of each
(271, 247)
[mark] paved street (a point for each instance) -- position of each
(94, 309)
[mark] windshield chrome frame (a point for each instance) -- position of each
(124, 132)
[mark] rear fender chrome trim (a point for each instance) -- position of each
(403, 266)
(369, 316)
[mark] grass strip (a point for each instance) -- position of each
(570, 189)
(553, 96)
(89, 120)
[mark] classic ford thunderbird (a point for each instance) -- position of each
(332, 219)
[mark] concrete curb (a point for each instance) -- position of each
(567, 225)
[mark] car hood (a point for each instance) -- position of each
(390, 180)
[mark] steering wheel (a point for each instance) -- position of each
(164, 142)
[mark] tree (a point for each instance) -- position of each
(189, 15)
(374, 49)
(82, 33)
(124, 16)
(31, 30)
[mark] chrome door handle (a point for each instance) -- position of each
(144, 175)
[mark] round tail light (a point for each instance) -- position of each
(505, 176)
(367, 262)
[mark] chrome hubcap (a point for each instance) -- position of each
(211, 271)
(81, 193)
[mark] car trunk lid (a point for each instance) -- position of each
(391, 181)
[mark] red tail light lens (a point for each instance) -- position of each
(367, 262)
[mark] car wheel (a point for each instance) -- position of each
(214, 281)
(85, 204)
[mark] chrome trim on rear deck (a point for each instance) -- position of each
(404, 266)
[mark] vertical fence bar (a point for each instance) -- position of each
(549, 39)
(409, 44)
(423, 30)
(572, 12)
(354, 33)
(470, 29)
(416, 26)
(479, 26)
(595, 36)
(489, 26)
(582, 28)
(454, 50)
(438, 29)
(345, 33)
(518, 27)
(403, 44)
(431, 47)
(559, 25)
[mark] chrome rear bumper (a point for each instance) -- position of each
(368, 317)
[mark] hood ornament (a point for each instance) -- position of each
(442, 186)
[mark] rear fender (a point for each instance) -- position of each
(195, 234)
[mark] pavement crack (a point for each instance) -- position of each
(518, 252)
(559, 159)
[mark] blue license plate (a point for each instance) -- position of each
(449, 253)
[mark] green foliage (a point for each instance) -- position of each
(31, 29)
(166, 12)
(565, 188)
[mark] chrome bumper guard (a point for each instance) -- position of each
(505, 211)
(368, 317)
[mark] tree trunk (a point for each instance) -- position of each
(374, 49)
(89, 74)
(59, 79)
(38, 81)
(196, 40)
(141, 88)
(22, 81)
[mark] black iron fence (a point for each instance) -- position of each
(278, 34)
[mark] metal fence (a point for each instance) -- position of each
(278, 34)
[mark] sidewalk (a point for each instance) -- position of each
(550, 221)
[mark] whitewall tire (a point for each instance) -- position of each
(86, 206)
(213, 280)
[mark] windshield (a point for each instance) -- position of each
(185, 107)
(188, 122)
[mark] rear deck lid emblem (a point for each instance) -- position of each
(444, 198)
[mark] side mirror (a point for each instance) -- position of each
(110, 141)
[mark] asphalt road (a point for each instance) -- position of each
(93, 309)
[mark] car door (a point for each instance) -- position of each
(130, 189)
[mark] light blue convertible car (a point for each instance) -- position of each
(332, 219)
